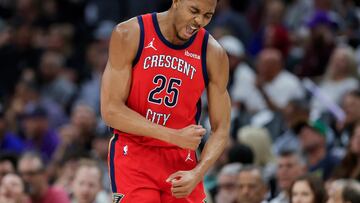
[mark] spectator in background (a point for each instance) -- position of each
(259, 140)
(55, 84)
(228, 20)
(100, 146)
(90, 89)
(271, 79)
(66, 167)
(290, 165)
(351, 106)
(307, 189)
(349, 166)
(339, 78)
(29, 93)
(33, 171)
(83, 117)
(9, 142)
(344, 190)
(252, 185)
(241, 74)
(86, 185)
(39, 136)
(7, 164)
(351, 192)
(319, 47)
(12, 190)
(295, 113)
(227, 186)
(313, 143)
(273, 34)
(240, 153)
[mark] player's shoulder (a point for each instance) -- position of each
(127, 31)
(214, 50)
(216, 59)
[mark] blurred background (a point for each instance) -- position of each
(294, 86)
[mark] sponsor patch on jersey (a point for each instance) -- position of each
(116, 197)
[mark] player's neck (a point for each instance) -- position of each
(167, 27)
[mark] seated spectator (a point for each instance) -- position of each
(227, 183)
(258, 139)
(348, 168)
(252, 185)
(32, 169)
(240, 153)
(295, 113)
(309, 189)
(290, 165)
(344, 190)
(86, 186)
(351, 192)
(7, 164)
(39, 136)
(351, 106)
(12, 190)
(241, 74)
(8, 141)
(320, 161)
(340, 78)
(271, 79)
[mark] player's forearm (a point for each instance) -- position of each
(127, 120)
(214, 147)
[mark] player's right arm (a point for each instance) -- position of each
(115, 87)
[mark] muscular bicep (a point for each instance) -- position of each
(116, 79)
(219, 100)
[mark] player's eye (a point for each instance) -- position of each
(208, 16)
(193, 11)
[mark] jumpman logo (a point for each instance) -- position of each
(151, 45)
(188, 157)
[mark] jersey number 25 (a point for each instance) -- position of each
(172, 92)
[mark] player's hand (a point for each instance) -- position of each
(189, 137)
(183, 183)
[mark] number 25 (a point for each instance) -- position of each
(170, 100)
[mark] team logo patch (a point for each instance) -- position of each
(116, 197)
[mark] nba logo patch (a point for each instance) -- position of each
(125, 150)
(116, 197)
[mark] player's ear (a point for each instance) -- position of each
(176, 3)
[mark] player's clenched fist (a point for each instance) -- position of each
(183, 182)
(189, 137)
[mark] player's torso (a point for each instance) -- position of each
(167, 79)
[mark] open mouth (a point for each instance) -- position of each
(190, 30)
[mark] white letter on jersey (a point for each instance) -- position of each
(158, 118)
(146, 66)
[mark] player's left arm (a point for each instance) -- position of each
(219, 106)
(183, 182)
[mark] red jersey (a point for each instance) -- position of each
(167, 79)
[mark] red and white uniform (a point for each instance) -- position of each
(167, 83)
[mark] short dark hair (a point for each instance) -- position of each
(316, 186)
(351, 192)
(251, 167)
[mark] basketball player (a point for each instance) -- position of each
(159, 65)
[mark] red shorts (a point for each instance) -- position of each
(138, 173)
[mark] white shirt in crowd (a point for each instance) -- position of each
(283, 88)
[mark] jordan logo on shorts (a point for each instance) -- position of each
(188, 158)
(116, 197)
(151, 44)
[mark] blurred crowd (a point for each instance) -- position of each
(294, 87)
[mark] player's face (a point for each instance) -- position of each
(191, 15)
